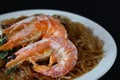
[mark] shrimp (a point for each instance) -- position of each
(32, 29)
(51, 42)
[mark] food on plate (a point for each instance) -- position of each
(47, 47)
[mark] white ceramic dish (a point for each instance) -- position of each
(109, 43)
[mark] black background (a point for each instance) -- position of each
(106, 13)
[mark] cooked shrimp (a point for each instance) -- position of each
(32, 29)
(53, 42)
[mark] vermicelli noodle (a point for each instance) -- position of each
(90, 52)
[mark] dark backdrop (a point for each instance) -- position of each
(105, 12)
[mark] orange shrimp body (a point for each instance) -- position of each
(43, 36)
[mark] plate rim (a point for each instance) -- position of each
(61, 11)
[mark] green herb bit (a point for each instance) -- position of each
(12, 70)
(3, 39)
(3, 54)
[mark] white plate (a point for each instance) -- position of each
(109, 43)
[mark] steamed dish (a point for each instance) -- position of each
(47, 47)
